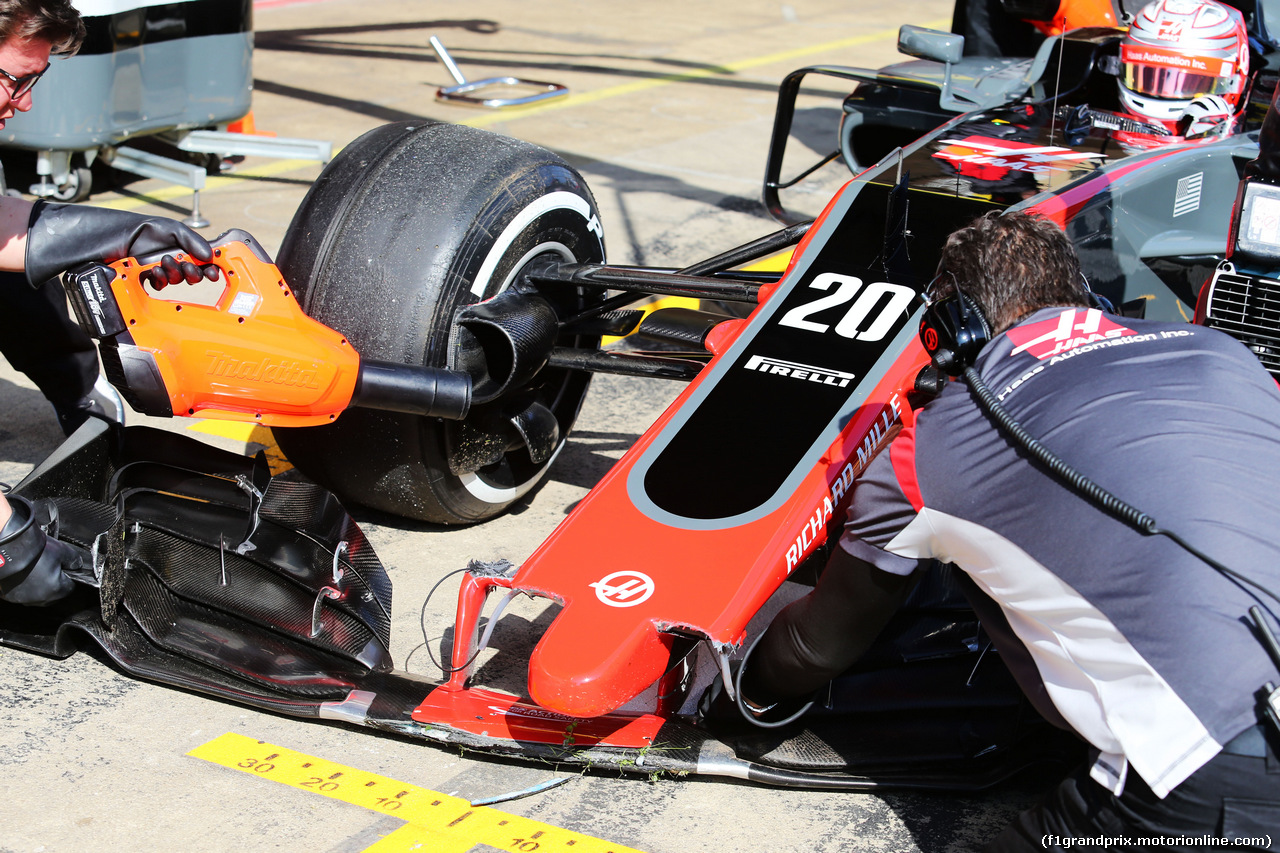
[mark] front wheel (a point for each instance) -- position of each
(408, 225)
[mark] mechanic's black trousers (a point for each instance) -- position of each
(1232, 797)
(41, 340)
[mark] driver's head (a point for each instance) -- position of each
(1179, 50)
(1011, 265)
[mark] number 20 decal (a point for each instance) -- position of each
(854, 323)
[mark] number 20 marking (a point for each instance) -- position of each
(851, 325)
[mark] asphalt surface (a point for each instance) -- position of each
(668, 118)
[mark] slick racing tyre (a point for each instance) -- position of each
(409, 224)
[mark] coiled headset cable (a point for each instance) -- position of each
(1140, 521)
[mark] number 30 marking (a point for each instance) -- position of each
(852, 324)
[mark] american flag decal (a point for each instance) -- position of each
(1187, 198)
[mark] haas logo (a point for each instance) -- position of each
(624, 589)
(1068, 330)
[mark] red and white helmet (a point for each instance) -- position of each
(1178, 50)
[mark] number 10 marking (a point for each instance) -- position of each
(852, 324)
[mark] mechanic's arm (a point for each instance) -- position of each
(47, 239)
(814, 639)
(14, 215)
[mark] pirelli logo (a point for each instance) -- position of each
(796, 370)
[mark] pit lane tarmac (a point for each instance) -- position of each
(668, 119)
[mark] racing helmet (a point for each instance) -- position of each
(1179, 50)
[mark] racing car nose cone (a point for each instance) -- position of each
(591, 679)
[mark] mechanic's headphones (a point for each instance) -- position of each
(953, 331)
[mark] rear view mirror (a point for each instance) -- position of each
(924, 43)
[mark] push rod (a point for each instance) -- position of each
(646, 281)
(756, 249)
(626, 364)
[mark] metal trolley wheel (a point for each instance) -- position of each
(78, 186)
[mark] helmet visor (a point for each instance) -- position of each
(1173, 85)
(1172, 75)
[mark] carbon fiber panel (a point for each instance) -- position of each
(233, 645)
(192, 574)
(214, 578)
(283, 562)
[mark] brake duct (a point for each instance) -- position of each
(503, 343)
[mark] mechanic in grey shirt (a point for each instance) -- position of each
(1139, 647)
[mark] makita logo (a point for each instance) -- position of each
(266, 370)
(100, 286)
(1068, 331)
(95, 290)
(795, 370)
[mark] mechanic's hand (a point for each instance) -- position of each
(61, 236)
(719, 714)
(34, 566)
(173, 271)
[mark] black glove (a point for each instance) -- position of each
(33, 565)
(62, 236)
(719, 714)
